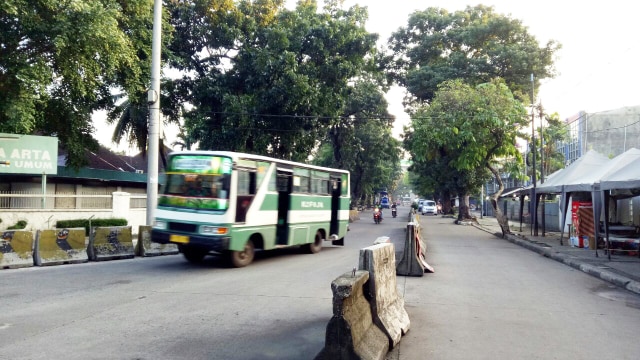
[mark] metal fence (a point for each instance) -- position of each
(94, 200)
(138, 201)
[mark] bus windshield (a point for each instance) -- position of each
(197, 182)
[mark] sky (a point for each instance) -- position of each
(598, 67)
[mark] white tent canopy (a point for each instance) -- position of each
(594, 173)
(625, 174)
(579, 176)
(620, 180)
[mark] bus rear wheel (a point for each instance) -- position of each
(244, 257)
(316, 245)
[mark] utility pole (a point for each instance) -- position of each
(543, 196)
(153, 100)
(534, 196)
(481, 201)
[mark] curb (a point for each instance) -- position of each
(608, 276)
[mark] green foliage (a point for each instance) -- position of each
(476, 124)
(548, 158)
(361, 142)
(272, 81)
(60, 60)
(78, 223)
(554, 131)
(461, 135)
(476, 45)
(21, 224)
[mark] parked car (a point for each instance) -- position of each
(429, 207)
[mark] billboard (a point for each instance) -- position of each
(28, 154)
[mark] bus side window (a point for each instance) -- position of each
(246, 192)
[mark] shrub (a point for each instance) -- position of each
(18, 226)
(78, 223)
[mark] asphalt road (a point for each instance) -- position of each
(488, 299)
(166, 308)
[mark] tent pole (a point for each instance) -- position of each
(565, 204)
(542, 198)
(607, 196)
(521, 210)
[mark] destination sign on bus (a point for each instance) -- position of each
(201, 164)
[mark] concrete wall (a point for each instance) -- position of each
(613, 132)
(42, 219)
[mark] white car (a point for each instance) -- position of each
(429, 207)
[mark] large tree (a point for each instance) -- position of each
(266, 79)
(472, 128)
(60, 61)
(476, 45)
(361, 142)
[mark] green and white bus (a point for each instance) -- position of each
(219, 202)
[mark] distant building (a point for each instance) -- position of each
(609, 132)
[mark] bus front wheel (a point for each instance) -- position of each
(316, 245)
(244, 257)
(193, 255)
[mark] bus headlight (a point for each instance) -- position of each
(160, 225)
(213, 230)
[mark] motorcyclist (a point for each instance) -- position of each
(393, 208)
(379, 209)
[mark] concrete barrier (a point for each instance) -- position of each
(144, 246)
(60, 246)
(16, 249)
(387, 305)
(109, 243)
(351, 333)
(354, 215)
(413, 262)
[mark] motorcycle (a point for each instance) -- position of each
(377, 216)
(394, 212)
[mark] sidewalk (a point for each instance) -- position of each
(621, 270)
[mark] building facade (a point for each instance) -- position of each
(609, 132)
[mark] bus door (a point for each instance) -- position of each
(336, 191)
(284, 182)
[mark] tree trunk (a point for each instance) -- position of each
(503, 221)
(463, 211)
(446, 203)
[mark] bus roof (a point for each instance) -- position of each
(237, 155)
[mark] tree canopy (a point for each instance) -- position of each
(60, 60)
(468, 129)
(476, 45)
(249, 76)
(264, 79)
(257, 77)
(361, 141)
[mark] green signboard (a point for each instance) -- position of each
(28, 154)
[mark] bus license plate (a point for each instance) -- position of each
(179, 239)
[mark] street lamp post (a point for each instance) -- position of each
(153, 100)
(534, 197)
